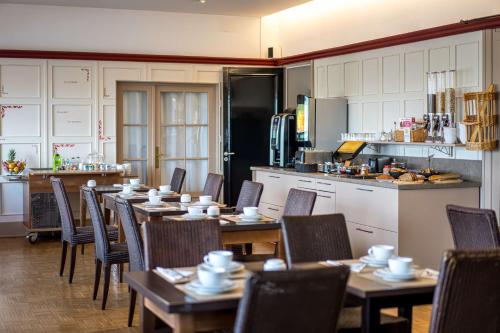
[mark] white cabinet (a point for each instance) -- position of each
(270, 210)
(109, 73)
(170, 72)
(71, 81)
(21, 78)
(325, 203)
(11, 198)
(276, 187)
(362, 237)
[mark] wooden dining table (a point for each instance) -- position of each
(186, 312)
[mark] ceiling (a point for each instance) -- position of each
(255, 8)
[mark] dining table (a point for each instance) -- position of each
(186, 311)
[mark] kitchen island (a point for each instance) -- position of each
(410, 217)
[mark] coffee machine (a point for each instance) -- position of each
(283, 143)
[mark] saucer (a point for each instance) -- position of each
(372, 262)
(197, 287)
(126, 195)
(150, 205)
(246, 218)
(386, 274)
(187, 216)
(204, 205)
(166, 193)
(233, 267)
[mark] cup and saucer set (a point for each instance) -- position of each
(390, 267)
(250, 214)
(165, 190)
(213, 275)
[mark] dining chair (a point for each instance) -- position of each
(308, 301)
(179, 244)
(213, 185)
(70, 233)
(249, 196)
(324, 237)
(177, 180)
(315, 238)
(135, 246)
(299, 202)
(473, 228)
(467, 296)
(106, 253)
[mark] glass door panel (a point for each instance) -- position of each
(197, 142)
(167, 169)
(173, 141)
(196, 173)
(172, 111)
(197, 108)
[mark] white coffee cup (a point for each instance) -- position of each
(213, 211)
(211, 277)
(127, 189)
(154, 200)
(205, 199)
(152, 193)
(275, 264)
(135, 181)
(220, 259)
(381, 252)
(165, 188)
(400, 265)
(250, 211)
(195, 211)
(186, 198)
(91, 183)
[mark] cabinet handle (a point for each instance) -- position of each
(363, 230)
(276, 210)
(321, 183)
(275, 177)
(324, 196)
(364, 189)
(305, 181)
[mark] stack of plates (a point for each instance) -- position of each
(373, 262)
(387, 275)
(197, 287)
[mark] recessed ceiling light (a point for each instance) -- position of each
(203, 1)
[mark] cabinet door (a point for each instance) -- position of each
(325, 203)
(363, 237)
(305, 183)
(71, 80)
(269, 210)
(11, 199)
(116, 72)
(276, 187)
(20, 80)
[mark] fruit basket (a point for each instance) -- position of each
(14, 168)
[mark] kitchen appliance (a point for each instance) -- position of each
(376, 164)
(306, 167)
(282, 143)
(348, 150)
(313, 156)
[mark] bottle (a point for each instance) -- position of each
(56, 161)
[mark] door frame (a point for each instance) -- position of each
(278, 74)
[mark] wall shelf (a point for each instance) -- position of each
(445, 148)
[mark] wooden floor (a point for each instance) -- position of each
(33, 298)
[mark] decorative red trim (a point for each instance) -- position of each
(35, 54)
(410, 37)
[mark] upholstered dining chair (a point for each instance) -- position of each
(308, 301)
(299, 202)
(177, 180)
(249, 196)
(325, 237)
(70, 233)
(213, 185)
(473, 228)
(106, 253)
(467, 296)
(135, 246)
(179, 244)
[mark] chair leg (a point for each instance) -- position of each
(83, 249)
(131, 309)
(107, 277)
(97, 278)
(120, 272)
(248, 248)
(72, 263)
(63, 257)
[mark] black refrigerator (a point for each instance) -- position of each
(251, 97)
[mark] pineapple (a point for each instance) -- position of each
(12, 155)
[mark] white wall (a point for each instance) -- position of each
(386, 84)
(127, 31)
(323, 24)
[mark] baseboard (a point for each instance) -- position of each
(12, 229)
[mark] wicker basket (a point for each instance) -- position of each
(481, 120)
(417, 135)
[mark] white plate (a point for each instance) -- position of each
(126, 195)
(197, 287)
(243, 217)
(150, 205)
(204, 205)
(194, 217)
(386, 274)
(370, 261)
(166, 193)
(233, 267)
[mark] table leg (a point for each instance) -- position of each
(148, 321)
(281, 246)
(370, 320)
(406, 311)
(83, 209)
(107, 215)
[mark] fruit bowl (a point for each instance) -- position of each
(13, 167)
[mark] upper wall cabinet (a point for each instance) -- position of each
(71, 80)
(207, 73)
(21, 78)
(111, 72)
(170, 72)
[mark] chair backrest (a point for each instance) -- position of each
(213, 185)
(102, 245)
(294, 301)
(467, 296)
(179, 244)
(67, 220)
(249, 195)
(473, 228)
(177, 180)
(299, 202)
(315, 238)
(132, 234)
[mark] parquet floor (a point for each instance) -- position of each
(33, 298)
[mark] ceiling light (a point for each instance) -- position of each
(203, 1)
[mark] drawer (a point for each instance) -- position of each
(270, 210)
(305, 183)
(325, 185)
(363, 237)
(276, 187)
(325, 203)
(368, 205)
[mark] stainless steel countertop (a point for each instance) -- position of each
(366, 182)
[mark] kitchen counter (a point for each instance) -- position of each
(366, 182)
(50, 172)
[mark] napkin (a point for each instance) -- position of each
(222, 222)
(430, 273)
(174, 275)
(356, 268)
